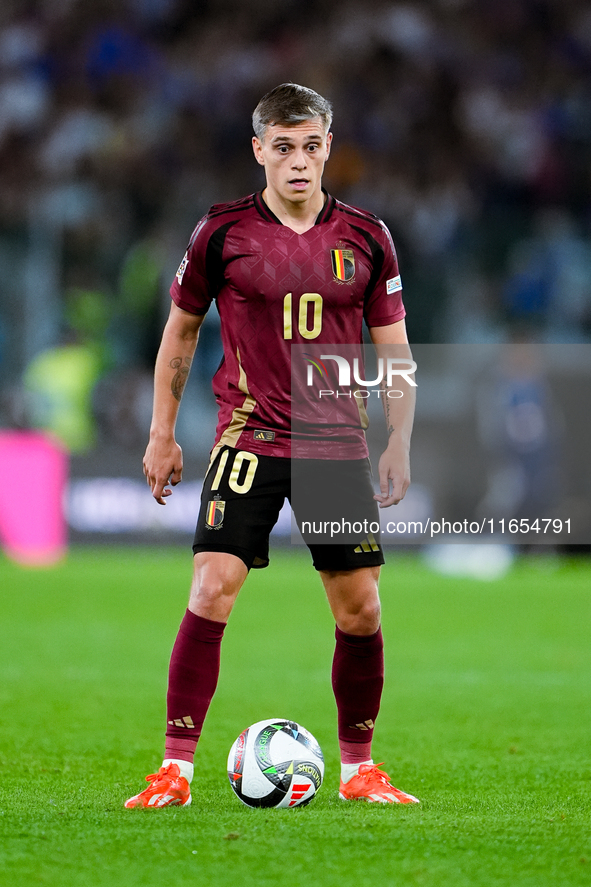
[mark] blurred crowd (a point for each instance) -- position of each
(464, 124)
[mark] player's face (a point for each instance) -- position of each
(294, 158)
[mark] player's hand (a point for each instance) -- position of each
(163, 465)
(394, 474)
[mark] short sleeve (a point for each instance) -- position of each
(191, 288)
(383, 301)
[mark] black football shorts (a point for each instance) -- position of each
(332, 502)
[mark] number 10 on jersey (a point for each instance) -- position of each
(308, 310)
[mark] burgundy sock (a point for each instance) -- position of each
(192, 679)
(357, 681)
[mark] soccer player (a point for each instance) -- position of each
(289, 265)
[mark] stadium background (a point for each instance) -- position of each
(465, 125)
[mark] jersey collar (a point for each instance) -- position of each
(269, 216)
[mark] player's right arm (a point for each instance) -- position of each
(163, 460)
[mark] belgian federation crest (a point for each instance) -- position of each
(215, 514)
(343, 264)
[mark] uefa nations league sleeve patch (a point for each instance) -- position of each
(393, 285)
(182, 268)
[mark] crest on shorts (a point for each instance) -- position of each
(214, 517)
(343, 264)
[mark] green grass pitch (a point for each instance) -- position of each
(485, 717)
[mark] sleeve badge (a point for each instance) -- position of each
(182, 268)
(393, 285)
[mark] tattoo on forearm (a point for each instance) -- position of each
(386, 403)
(182, 367)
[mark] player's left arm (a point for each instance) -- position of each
(394, 464)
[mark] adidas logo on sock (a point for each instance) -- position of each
(187, 721)
(366, 725)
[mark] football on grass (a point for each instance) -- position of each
(275, 763)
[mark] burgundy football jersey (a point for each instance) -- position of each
(276, 288)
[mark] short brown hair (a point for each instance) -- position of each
(290, 104)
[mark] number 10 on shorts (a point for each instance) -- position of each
(242, 472)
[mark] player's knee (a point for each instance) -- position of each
(362, 619)
(212, 598)
(215, 587)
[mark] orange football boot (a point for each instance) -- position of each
(372, 784)
(167, 789)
